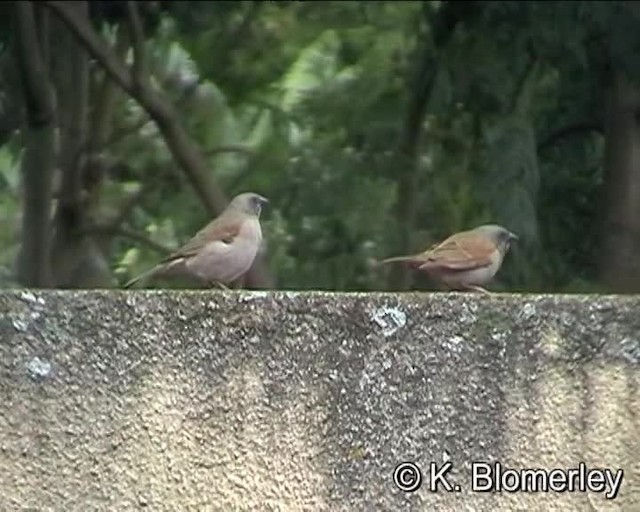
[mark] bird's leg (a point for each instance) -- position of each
(217, 284)
(479, 289)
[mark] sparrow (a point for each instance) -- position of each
(220, 252)
(465, 261)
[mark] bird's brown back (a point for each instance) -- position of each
(462, 251)
(223, 228)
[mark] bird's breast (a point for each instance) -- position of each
(250, 233)
(224, 262)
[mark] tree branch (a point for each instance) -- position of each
(137, 44)
(185, 152)
(128, 205)
(231, 148)
(420, 87)
(72, 86)
(97, 48)
(71, 79)
(104, 104)
(34, 75)
(117, 136)
(109, 230)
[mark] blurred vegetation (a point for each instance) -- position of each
(374, 128)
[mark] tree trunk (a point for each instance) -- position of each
(620, 249)
(104, 97)
(71, 248)
(420, 87)
(136, 83)
(38, 158)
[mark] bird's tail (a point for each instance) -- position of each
(407, 259)
(142, 277)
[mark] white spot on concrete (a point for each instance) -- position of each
(498, 335)
(455, 344)
(456, 340)
(30, 297)
(288, 294)
(389, 319)
(248, 296)
(39, 367)
(528, 310)
(19, 325)
(630, 350)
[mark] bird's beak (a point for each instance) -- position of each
(513, 237)
(264, 200)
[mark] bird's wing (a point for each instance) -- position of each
(222, 229)
(462, 251)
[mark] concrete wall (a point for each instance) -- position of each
(308, 401)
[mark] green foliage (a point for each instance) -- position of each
(305, 102)
(10, 156)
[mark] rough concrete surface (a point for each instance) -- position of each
(255, 401)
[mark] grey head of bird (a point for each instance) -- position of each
(499, 235)
(248, 203)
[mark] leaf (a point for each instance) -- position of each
(315, 65)
(261, 130)
(10, 168)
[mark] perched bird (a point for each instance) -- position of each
(465, 260)
(220, 252)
